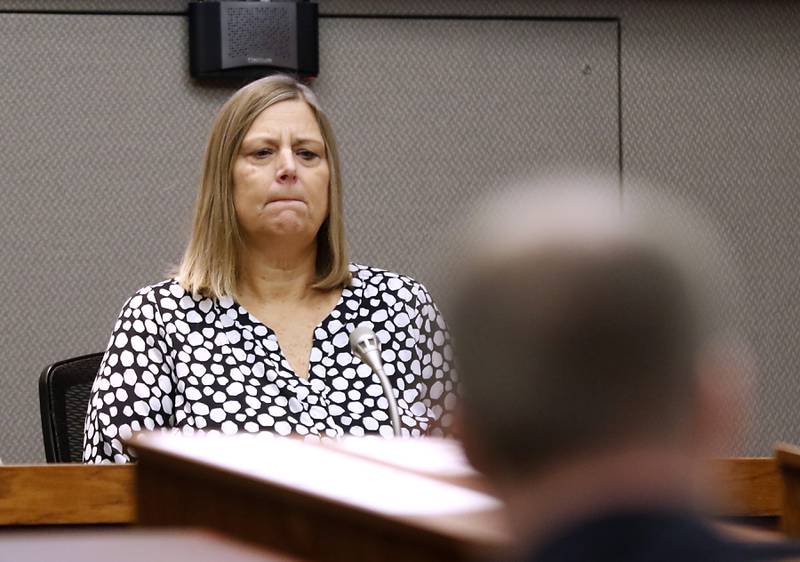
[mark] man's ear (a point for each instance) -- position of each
(471, 440)
(723, 389)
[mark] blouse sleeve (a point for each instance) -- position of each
(133, 389)
(439, 380)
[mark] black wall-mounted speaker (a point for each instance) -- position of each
(247, 40)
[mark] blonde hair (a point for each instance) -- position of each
(210, 263)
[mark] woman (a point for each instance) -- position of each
(252, 333)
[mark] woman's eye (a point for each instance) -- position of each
(262, 153)
(307, 154)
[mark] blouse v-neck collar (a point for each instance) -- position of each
(348, 305)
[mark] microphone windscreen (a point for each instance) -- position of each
(362, 332)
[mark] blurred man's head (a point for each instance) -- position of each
(581, 328)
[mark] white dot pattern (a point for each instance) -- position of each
(197, 364)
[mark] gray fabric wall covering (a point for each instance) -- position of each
(710, 113)
(441, 120)
(104, 131)
(95, 5)
(709, 106)
(99, 161)
(710, 109)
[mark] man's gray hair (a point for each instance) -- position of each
(582, 318)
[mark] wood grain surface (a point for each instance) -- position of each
(751, 486)
(89, 494)
(788, 462)
(72, 494)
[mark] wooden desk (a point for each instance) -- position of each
(751, 485)
(281, 494)
(71, 494)
(128, 545)
(788, 461)
(312, 501)
(86, 495)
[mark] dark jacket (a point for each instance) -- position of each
(665, 536)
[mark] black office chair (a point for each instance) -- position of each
(64, 391)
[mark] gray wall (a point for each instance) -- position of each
(103, 132)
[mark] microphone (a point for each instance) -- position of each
(366, 346)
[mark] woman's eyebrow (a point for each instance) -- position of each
(275, 139)
(262, 137)
(301, 140)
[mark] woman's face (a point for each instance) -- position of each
(281, 175)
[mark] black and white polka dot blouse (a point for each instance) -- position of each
(202, 364)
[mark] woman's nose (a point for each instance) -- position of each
(287, 169)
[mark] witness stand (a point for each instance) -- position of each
(323, 502)
(360, 499)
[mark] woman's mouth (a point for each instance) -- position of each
(285, 201)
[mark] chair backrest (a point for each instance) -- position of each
(64, 391)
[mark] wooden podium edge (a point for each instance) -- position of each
(67, 494)
(284, 513)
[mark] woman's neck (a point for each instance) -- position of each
(271, 276)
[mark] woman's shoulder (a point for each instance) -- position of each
(377, 280)
(168, 292)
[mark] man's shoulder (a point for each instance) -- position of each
(653, 537)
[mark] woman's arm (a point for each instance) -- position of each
(134, 388)
(439, 381)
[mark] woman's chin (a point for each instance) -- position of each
(289, 228)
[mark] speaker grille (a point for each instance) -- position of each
(258, 33)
